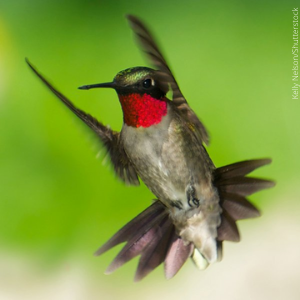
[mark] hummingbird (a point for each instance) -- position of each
(163, 143)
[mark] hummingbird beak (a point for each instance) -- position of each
(98, 85)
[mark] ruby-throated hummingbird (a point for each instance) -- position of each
(162, 143)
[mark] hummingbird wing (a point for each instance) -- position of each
(110, 139)
(149, 45)
(166, 78)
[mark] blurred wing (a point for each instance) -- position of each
(149, 45)
(166, 78)
(110, 139)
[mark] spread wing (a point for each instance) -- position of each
(165, 76)
(109, 138)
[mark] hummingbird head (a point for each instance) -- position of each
(141, 93)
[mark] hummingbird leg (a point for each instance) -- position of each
(177, 204)
(192, 200)
(195, 202)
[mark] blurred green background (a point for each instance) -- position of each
(59, 203)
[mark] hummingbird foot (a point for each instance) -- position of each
(193, 202)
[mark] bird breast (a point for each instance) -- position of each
(168, 159)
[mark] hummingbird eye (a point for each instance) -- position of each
(147, 83)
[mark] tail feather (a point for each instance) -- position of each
(228, 230)
(138, 240)
(238, 207)
(233, 186)
(132, 249)
(155, 253)
(244, 186)
(139, 223)
(177, 255)
(149, 235)
(220, 250)
(241, 168)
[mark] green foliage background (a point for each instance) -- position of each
(233, 62)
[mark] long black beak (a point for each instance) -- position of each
(98, 85)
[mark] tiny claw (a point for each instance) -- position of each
(193, 202)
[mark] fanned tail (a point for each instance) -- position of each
(152, 236)
(233, 187)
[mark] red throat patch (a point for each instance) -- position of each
(142, 110)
